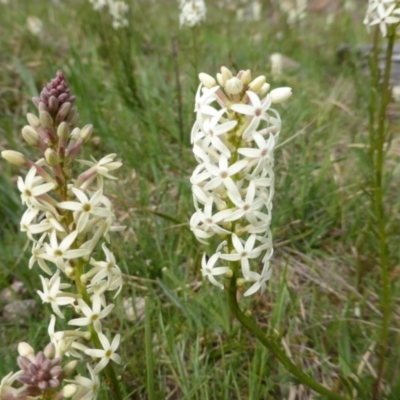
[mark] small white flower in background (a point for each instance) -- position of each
(98, 4)
(294, 9)
(35, 25)
(250, 11)
(117, 9)
(233, 140)
(193, 12)
(382, 13)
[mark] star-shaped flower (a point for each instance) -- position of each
(52, 293)
(107, 353)
(33, 187)
(259, 280)
(209, 270)
(91, 315)
(85, 207)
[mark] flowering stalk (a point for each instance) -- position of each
(117, 10)
(67, 216)
(193, 13)
(385, 14)
(233, 141)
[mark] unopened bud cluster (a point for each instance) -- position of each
(233, 141)
(67, 217)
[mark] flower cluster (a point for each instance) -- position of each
(193, 12)
(294, 9)
(233, 139)
(117, 10)
(67, 217)
(382, 13)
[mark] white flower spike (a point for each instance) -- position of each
(233, 139)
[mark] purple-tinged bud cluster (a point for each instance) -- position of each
(40, 373)
(54, 94)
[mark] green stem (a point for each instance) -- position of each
(272, 345)
(149, 352)
(379, 212)
(195, 54)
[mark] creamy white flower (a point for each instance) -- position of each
(107, 353)
(38, 251)
(204, 224)
(52, 293)
(209, 270)
(107, 269)
(259, 280)
(32, 188)
(382, 13)
(34, 25)
(244, 252)
(85, 207)
(88, 389)
(211, 130)
(91, 315)
(193, 12)
(57, 253)
(6, 384)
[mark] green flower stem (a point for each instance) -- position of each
(149, 351)
(379, 211)
(271, 344)
(195, 53)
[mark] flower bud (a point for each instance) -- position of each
(53, 104)
(50, 351)
(281, 94)
(69, 390)
(245, 77)
(14, 157)
(33, 120)
(264, 89)
(75, 134)
(25, 350)
(30, 135)
(226, 73)
(70, 367)
(70, 272)
(234, 85)
(207, 80)
(42, 106)
(240, 282)
(73, 116)
(46, 120)
(63, 131)
(86, 133)
(228, 274)
(257, 83)
(63, 112)
(51, 157)
(220, 80)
